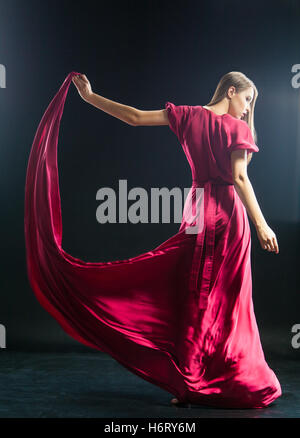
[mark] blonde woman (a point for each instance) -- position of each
(180, 316)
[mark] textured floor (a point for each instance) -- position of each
(93, 385)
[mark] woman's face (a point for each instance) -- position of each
(240, 102)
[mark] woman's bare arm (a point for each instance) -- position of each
(244, 189)
(151, 118)
(239, 162)
(129, 114)
(122, 112)
(265, 234)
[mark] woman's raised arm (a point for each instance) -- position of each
(151, 118)
(128, 114)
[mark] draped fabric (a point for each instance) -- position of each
(180, 316)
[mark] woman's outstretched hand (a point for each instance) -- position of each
(83, 86)
(267, 238)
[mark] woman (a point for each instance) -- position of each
(180, 316)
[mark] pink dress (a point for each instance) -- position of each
(180, 316)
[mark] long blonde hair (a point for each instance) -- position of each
(240, 82)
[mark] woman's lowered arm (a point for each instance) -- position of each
(128, 114)
(244, 189)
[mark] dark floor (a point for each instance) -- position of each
(93, 385)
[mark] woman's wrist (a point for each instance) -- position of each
(88, 98)
(260, 224)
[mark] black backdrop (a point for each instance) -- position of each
(144, 53)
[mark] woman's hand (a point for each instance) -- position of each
(267, 238)
(83, 86)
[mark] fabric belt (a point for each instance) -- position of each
(208, 233)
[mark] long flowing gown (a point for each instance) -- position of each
(180, 316)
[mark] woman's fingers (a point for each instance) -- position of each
(276, 245)
(77, 79)
(267, 239)
(83, 86)
(272, 246)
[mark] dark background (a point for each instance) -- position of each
(142, 54)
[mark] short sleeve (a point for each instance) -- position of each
(178, 116)
(239, 136)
